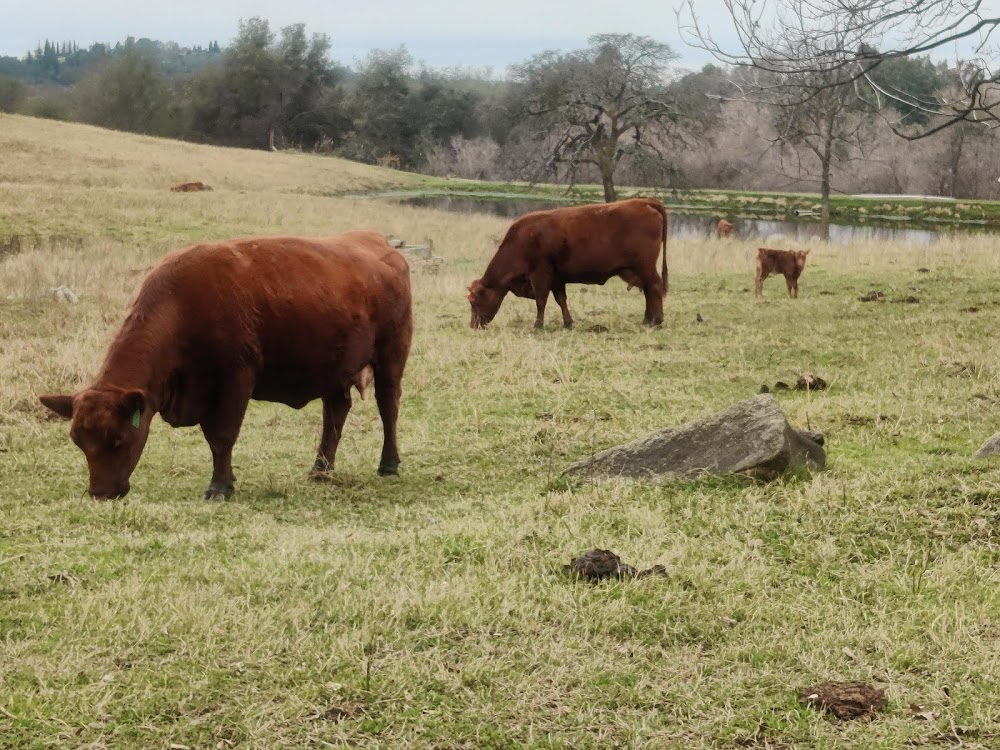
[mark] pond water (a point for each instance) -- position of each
(704, 224)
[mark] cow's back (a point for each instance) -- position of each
(299, 311)
(593, 238)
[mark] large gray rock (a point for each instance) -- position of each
(990, 448)
(753, 438)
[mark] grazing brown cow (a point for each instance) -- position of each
(544, 251)
(789, 263)
(283, 319)
(189, 187)
(725, 228)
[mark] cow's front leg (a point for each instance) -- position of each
(335, 409)
(559, 292)
(758, 284)
(221, 428)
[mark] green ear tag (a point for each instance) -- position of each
(135, 419)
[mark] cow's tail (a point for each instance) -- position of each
(663, 264)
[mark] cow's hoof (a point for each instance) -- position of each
(568, 325)
(217, 491)
(388, 470)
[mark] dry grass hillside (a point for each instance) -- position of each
(431, 611)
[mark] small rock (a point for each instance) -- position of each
(845, 700)
(764, 389)
(64, 294)
(781, 385)
(990, 448)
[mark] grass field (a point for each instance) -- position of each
(430, 611)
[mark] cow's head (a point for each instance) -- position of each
(110, 426)
(800, 261)
(485, 302)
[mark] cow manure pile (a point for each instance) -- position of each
(845, 700)
(806, 382)
(601, 564)
(873, 296)
(809, 382)
(908, 300)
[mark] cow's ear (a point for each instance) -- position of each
(61, 405)
(132, 405)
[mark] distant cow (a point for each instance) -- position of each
(189, 187)
(283, 319)
(725, 228)
(544, 251)
(789, 263)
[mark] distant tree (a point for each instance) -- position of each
(856, 38)
(270, 91)
(379, 98)
(598, 105)
(125, 93)
(12, 94)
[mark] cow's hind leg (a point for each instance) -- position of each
(335, 410)
(559, 292)
(793, 286)
(652, 289)
(388, 391)
(221, 428)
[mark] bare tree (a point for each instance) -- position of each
(855, 37)
(600, 103)
(813, 98)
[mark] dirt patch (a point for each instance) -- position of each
(873, 296)
(969, 309)
(858, 420)
(12, 245)
(600, 564)
(923, 270)
(337, 714)
(845, 700)
(908, 300)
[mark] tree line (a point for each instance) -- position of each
(618, 111)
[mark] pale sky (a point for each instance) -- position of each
(475, 33)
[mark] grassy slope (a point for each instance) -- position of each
(430, 611)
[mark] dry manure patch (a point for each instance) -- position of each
(845, 700)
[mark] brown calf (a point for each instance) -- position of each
(725, 228)
(789, 263)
